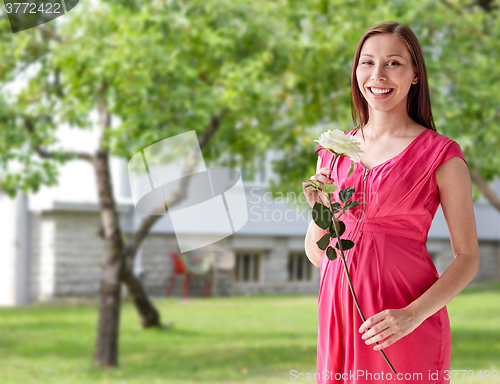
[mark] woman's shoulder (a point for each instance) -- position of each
(440, 148)
(437, 139)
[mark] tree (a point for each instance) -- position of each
(150, 72)
(246, 75)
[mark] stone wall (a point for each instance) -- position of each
(66, 257)
(66, 254)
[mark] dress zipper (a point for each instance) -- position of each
(364, 203)
(343, 272)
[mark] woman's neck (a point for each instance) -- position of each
(383, 124)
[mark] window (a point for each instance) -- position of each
(247, 267)
(299, 267)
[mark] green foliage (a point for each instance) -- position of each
(324, 241)
(322, 216)
(351, 169)
(336, 207)
(350, 204)
(331, 254)
(345, 194)
(163, 69)
(346, 244)
(461, 44)
(329, 188)
(340, 228)
(277, 72)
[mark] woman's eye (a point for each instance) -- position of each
(392, 62)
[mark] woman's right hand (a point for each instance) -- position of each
(313, 196)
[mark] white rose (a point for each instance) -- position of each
(340, 143)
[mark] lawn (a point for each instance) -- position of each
(217, 340)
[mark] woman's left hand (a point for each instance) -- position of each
(395, 322)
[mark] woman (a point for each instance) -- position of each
(406, 170)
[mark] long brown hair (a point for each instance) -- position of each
(418, 103)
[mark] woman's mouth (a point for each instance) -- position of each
(380, 93)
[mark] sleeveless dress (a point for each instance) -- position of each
(389, 267)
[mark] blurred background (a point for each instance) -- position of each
(87, 282)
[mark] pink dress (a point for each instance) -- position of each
(389, 267)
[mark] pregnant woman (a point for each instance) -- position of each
(406, 170)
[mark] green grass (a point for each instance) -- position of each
(216, 340)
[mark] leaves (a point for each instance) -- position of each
(346, 244)
(314, 186)
(311, 188)
(345, 194)
(321, 215)
(350, 204)
(340, 227)
(331, 254)
(313, 182)
(324, 241)
(329, 188)
(171, 68)
(336, 207)
(351, 169)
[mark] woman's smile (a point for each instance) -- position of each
(380, 93)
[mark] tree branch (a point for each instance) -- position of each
(47, 32)
(483, 186)
(57, 83)
(45, 154)
(453, 6)
(104, 115)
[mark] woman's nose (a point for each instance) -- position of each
(378, 74)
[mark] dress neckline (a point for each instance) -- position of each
(395, 157)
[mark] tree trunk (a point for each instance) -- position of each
(148, 314)
(484, 187)
(106, 349)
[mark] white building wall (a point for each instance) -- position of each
(14, 250)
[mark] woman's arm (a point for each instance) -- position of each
(314, 233)
(313, 252)
(455, 193)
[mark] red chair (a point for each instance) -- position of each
(181, 270)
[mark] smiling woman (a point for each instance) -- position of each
(403, 160)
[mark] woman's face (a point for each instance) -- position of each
(385, 63)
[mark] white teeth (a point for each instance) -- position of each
(380, 91)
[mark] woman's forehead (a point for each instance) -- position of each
(384, 45)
